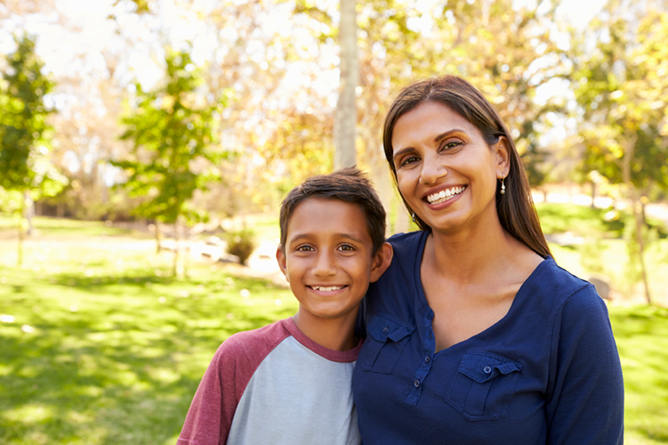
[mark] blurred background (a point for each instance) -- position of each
(146, 145)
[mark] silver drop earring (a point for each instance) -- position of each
(503, 186)
(413, 216)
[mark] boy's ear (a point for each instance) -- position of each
(502, 150)
(280, 257)
(381, 261)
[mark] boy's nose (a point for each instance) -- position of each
(324, 265)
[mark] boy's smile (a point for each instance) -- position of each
(328, 259)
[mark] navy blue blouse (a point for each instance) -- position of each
(548, 372)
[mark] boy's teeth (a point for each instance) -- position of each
(327, 289)
(444, 194)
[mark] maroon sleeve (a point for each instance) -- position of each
(212, 409)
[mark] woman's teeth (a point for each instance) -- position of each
(444, 195)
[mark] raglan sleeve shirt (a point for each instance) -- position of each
(274, 385)
(211, 412)
(546, 373)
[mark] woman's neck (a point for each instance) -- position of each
(472, 254)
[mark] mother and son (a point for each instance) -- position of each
(465, 332)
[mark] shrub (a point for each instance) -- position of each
(241, 243)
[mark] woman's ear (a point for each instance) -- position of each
(381, 261)
(502, 151)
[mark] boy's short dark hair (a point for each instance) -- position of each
(348, 185)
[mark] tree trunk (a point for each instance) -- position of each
(158, 237)
(28, 211)
(19, 256)
(346, 113)
(637, 215)
(186, 259)
(593, 195)
(175, 267)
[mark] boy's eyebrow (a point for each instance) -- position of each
(307, 236)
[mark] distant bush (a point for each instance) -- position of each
(560, 218)
(241, 243)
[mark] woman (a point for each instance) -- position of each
(474, 334)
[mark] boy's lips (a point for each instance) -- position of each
(439, 196)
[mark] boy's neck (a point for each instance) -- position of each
(336, 334)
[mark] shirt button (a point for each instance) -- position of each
(416, 383)
(427, 359)
(487, 369)
(385, 329)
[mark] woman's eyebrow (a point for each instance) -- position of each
(437, 139)
(442, 136)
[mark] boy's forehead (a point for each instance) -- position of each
(318, 213)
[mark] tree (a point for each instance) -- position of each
(622, 88)
(346, 109)
(173, 130)
(25, 172)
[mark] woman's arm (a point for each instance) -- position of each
(587, 390)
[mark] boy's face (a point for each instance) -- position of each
(328, 258)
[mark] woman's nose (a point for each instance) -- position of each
(433, 169)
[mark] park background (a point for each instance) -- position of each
(146, 146)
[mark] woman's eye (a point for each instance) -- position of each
(451, 146)
(409, 160)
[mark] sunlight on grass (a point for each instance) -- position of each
(114, 335)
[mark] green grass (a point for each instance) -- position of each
(118, 347)
(642, 340)
(602, 251)
(115, 348)
(560, 218)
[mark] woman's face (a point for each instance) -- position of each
(446, 172)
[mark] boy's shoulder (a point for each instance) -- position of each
(252, 346)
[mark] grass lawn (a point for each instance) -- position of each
(99, 346)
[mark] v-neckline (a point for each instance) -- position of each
(519, 296)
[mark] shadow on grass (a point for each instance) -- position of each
(123, 366)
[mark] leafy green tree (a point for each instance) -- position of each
(26, 173)
(173, 130)
(622, 87)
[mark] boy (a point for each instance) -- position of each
(290, 382)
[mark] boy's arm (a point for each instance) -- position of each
(212, 409)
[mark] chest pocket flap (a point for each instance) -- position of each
(481, 367)
(484, 386)
(384, 327)
(387, 339)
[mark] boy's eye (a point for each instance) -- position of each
(304, 248)
(346, 247)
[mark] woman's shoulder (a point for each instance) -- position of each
(409, 241)
(559, 287)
